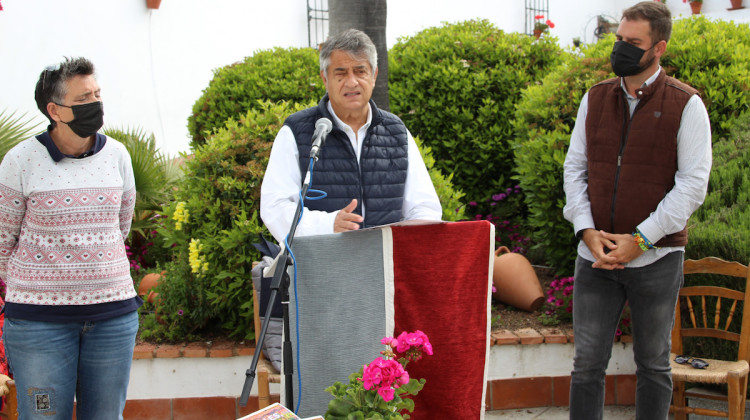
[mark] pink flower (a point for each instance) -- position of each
(385, 375)
(386, 392)
(550, 24)
(389, 341)
(371, 374)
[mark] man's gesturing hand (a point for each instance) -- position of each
(346, 220)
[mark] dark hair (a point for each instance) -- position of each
(658, 16)
(353, 42)
(52, 84)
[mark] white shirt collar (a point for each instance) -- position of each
(342, 126)
(646, 83)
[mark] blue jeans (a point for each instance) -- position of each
(598, 300)
(53, 362)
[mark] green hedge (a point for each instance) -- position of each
(713, 57)
(456, 86)
(545, 117)
(278, 74)
(721, 226)
(221, 194)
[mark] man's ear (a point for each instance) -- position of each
(660, 48)
(52, 111)
(375, 75)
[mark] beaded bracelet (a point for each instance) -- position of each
(642, 241)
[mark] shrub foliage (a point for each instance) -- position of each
(216, 210)
(278, 74)
(544, 120)
(455, 87)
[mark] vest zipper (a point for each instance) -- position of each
(627, 121)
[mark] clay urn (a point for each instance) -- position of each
(148, 282)
(515, 281)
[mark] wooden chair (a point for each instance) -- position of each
(265, 373)
(692, 304)
(10, 409)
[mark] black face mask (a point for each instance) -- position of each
(87, 118)
(626, 59)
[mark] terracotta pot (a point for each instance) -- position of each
(153, 297)
(148, 282)
(736, 5)
(516, 281)
(537, 33)
(695, 6)
(153, 4)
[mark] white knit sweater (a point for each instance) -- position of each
(63, 225)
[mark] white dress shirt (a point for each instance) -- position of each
(672, 213)
(279, 193)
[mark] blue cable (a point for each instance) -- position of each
(320, 195)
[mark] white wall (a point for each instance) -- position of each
(153, 65)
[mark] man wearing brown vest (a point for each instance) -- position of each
(637, 168)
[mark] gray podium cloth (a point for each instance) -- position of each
(333, 306)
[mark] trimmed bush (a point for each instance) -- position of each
(544, 120)
(721, 226)
(211, 226)
(456, 86)
(714, 57)
(450, 197)
(278, 74)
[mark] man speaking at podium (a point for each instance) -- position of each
(369, 166)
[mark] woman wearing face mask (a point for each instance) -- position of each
(66, 205)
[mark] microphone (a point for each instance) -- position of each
(322, 127)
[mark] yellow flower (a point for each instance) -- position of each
(194, 258)
(181, 215)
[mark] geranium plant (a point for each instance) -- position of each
(381, 390)
(542, 25)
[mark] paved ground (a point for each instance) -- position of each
(611, 412)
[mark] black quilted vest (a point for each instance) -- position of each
(377, 180)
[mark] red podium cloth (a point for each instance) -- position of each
(446, 296)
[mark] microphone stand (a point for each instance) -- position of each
(280, 282)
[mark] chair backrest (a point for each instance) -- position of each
(256, 310)
(705, 307)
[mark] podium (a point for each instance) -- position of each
(354, 288)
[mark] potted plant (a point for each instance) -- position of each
(382, 389)
(541, 26)
(695, 5)
(736, 5)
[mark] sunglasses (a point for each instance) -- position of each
(49, 69)
(696, 363)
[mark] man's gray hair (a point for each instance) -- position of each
(353, 42)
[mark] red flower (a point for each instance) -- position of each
(550, 24)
